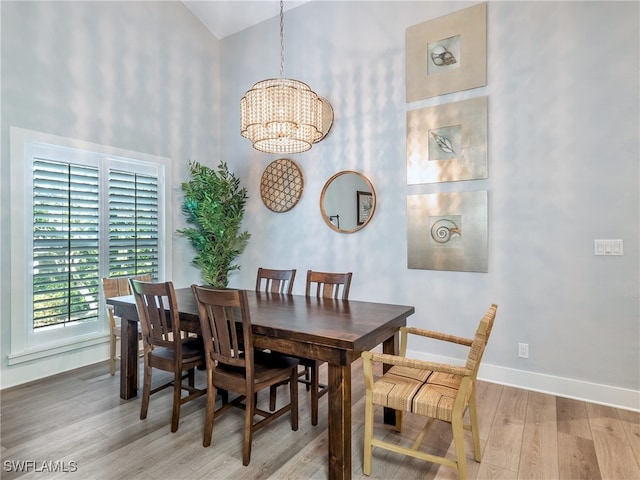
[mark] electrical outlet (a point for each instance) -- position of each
(523, 350)
(608, 247)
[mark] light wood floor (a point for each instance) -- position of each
(78, 417)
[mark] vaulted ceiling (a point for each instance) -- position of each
(226, 17)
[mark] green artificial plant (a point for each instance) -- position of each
(214, 203)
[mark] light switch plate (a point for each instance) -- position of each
(608, 247)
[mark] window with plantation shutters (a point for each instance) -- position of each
(133, 224)
(66, 236)
(79, 212)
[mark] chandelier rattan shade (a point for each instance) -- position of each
(281, 115)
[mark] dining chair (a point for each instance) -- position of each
(435, 390)
(321, 285)
(165, 345)
(234, 366)
(275, 281)
(117, 287)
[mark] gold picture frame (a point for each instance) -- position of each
(447, 143)
(447, 54)
(448, 231)
(364, 206)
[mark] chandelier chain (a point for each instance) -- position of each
(281, 38)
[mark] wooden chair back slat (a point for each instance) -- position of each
(158, 313)
(226, 325)
(328, 284)
(275, 281)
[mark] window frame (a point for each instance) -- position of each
(26, 344)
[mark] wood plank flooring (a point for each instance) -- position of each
(76, 425)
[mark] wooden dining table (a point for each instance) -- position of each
(330, 330)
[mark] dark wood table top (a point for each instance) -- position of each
(341, 324)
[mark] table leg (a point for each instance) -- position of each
(390, 346)
(339, 421)
(128, 358)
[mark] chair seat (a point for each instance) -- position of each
(397, 388)
(266, 367)
(437, 396)
(417, 390)
(192, 348)
(419, 374)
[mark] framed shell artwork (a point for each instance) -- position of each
(448, 142)
(447, 231)
(447, 54)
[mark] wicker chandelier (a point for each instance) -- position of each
(281, 115)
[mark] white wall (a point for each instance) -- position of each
(139, 76)
(563, 170)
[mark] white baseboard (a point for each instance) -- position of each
(29, 371)
(539, 382)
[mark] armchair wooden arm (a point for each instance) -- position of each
(439, 336)
(414, 363)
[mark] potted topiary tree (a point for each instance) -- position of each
(214, 203)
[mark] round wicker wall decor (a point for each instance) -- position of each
(281, 185)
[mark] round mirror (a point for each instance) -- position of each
(347, 201)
